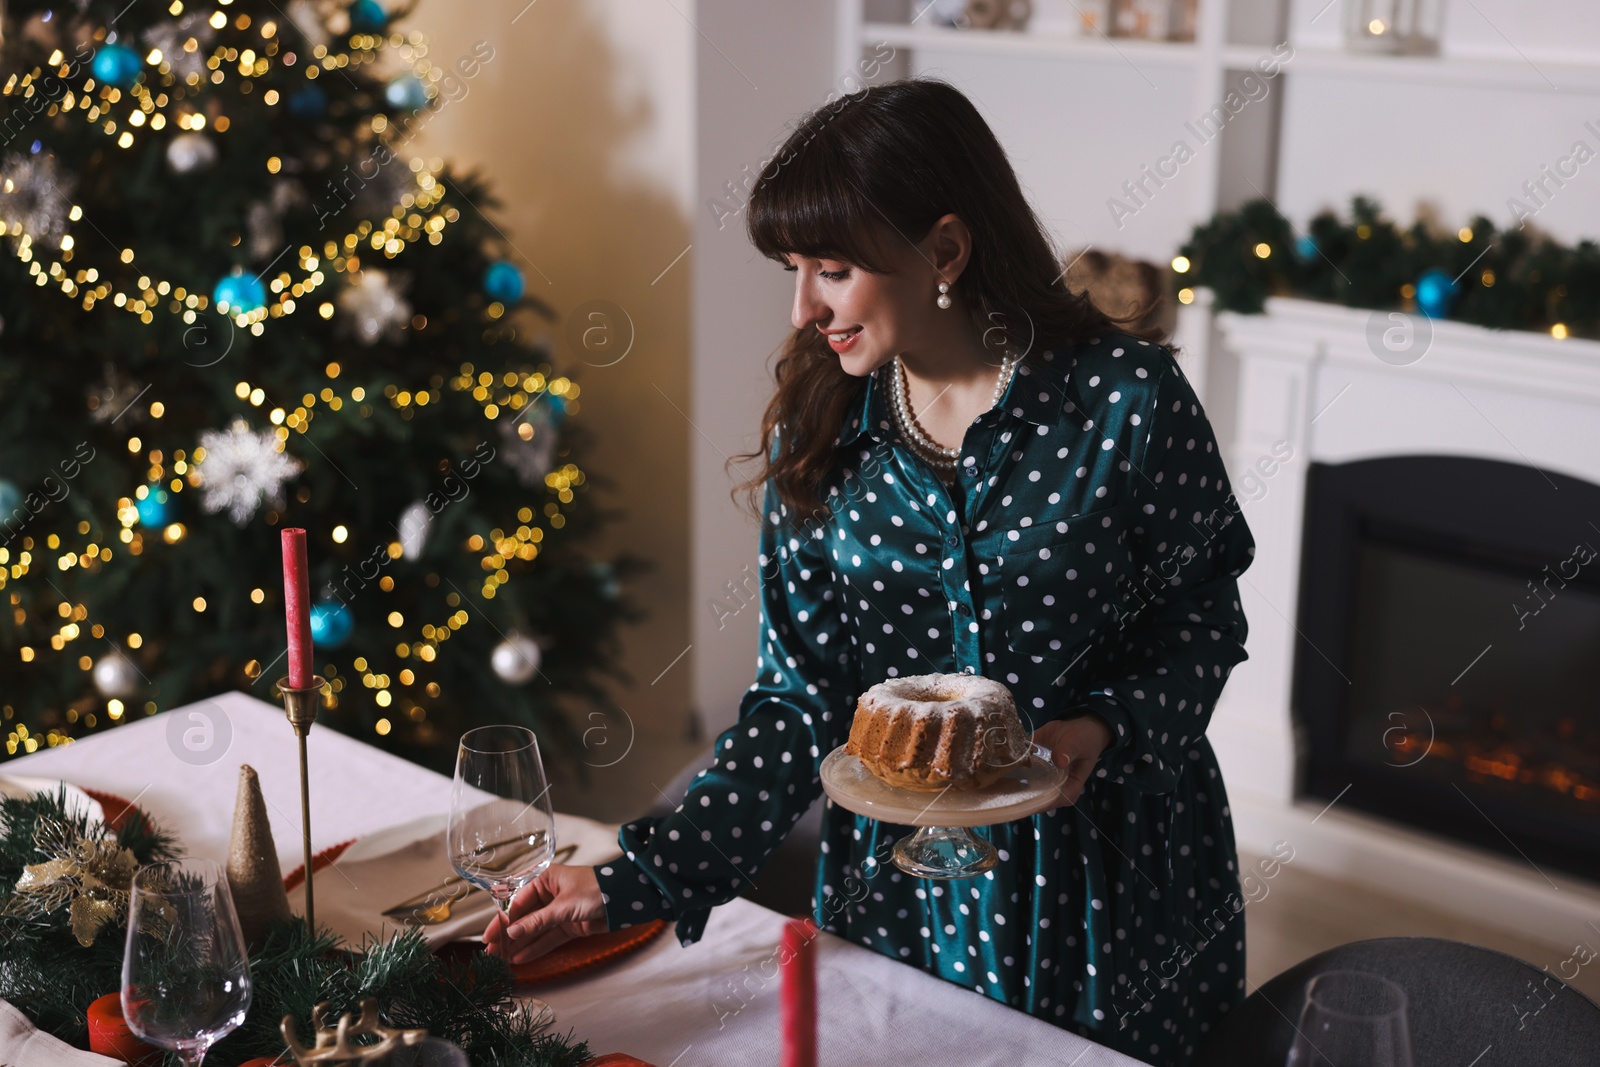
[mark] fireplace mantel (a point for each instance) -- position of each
(1311, 387)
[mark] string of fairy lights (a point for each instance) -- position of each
(127, 116)
(496, 395)
(413, 218)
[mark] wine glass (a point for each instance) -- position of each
(502, 831)
(185, 974)
(1351, 1017)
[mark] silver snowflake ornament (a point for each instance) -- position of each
(35, 193)
(528, 444)
(242, 469)
(373, 308)
(184, 45)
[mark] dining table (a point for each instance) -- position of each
(714, 1002)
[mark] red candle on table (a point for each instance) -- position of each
(798, 995)
(297, 607)
(110, 1035)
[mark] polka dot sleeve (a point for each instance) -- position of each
(1183, 629)
(765, 772)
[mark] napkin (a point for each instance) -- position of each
(24, 1045)
(352, 895)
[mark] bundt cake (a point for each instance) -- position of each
(937, 731)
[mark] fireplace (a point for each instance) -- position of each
(1449, 676)
(1433, 512)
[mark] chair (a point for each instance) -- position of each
(1466, 1005)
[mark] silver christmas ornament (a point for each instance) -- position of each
(190, 151)
(516, 659)
(414, 523)
(116, 676)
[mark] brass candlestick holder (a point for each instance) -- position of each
(301, 706)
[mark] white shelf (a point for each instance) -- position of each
(1032, 43)
(1535, 75)
(1532, 74)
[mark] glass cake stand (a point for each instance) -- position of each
(944, 845)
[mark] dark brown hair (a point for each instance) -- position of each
(878, 165)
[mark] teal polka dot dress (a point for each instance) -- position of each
(1086, 555)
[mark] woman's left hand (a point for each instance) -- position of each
(1075, 745)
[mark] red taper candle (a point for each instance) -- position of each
(297, 607)
(798, 964)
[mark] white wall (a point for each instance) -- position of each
(1460, 149)
(582, 121)
(759, 65)
(1072, 152)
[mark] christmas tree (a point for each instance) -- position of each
(232, 301)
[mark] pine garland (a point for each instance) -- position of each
(1508, 279)
(43, 970)
(52, 979)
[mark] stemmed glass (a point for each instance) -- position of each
(502, 832)
(186, 973)
(1351, 1017)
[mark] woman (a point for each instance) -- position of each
(969, 469)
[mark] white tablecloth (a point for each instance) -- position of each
(712, 1003)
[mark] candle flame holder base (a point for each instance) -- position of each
(301, 705)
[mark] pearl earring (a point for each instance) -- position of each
(944, 297)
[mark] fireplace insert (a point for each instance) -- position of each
(1448, 675)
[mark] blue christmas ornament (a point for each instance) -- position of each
(407, 93)
(10, 499)
(239, 293)
(503, 281)
(368, 16)
(309, 102)
(1436, 294)
(157, 507)
(1306, 248)
(607, 579)
(331, 624)
(558, 408)
(116, 65)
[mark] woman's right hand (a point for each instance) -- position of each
(561, 904)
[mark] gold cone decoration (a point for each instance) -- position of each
(253, 872)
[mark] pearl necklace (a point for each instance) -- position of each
(943, 460)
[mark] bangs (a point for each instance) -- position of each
(810, 206)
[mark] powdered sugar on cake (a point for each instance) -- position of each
(940, 694)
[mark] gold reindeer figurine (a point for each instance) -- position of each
(335, 1045)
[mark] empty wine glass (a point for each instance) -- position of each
(185, 973)
(502, 832)
(1352, 1018)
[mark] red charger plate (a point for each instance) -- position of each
(574, 956)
